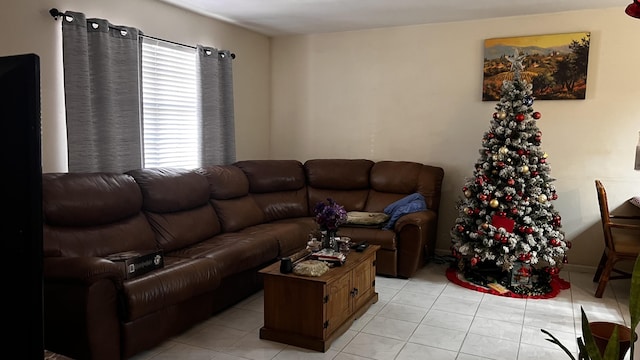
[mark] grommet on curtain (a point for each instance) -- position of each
(224, 54)
(95, 25)
(68, 18)
(123, 32)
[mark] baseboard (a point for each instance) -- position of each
(441, 252)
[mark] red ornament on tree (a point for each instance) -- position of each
(519, 117)
(524, 257)
(511, 182)
(536, 115)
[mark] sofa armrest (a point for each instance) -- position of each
(415, 218)
(416, 239)
(85, 270)
(82, 300)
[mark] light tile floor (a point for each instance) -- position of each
(425, 317)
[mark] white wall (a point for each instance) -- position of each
(414, 93)
(405, 93)
(27, 27)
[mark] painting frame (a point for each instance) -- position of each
(555, 64)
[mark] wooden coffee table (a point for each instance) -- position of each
(311, 312)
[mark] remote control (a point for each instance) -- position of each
(361, 247)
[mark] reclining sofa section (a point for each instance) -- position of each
(216, 227)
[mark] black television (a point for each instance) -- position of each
(22, 199)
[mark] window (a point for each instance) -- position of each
(171, 129)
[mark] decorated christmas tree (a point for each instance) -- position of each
(506, 216)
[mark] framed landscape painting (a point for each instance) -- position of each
(556, 65)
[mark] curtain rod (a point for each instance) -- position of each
(55, 13)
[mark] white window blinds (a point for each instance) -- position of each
(171, 130)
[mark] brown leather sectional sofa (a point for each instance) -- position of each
(216, 226)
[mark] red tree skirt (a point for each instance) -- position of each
(557, 284)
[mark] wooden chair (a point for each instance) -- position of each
(621, 240)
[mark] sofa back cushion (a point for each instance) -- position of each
(344, 180)
(93, 214)
(229, 195)
(393, 180)
(176, 202)
(278, 187)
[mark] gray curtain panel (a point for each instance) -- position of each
(102, 94)
(216, 112)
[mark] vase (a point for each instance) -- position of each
(602, 330)
(327, 239)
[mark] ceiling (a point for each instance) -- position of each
(288, 17)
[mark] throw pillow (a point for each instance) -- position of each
(366, 218)
(635, 201)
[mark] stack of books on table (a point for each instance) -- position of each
(330, 256)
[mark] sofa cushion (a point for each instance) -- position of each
(385, 238)
(133, 233)
(283, 204)
(292, 234)
(225, 181)
(338, 174)
(178, 281)
(235, 252)
(267, 176)
(169, 189)
(93, 214)
(89, 199)
(278, 187)
(395, 176)
(393, 180)
(175, 230)
(229, 195)
(237, 214)
(176, 202)
(345, 181)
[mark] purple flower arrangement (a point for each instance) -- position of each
(330, 215)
